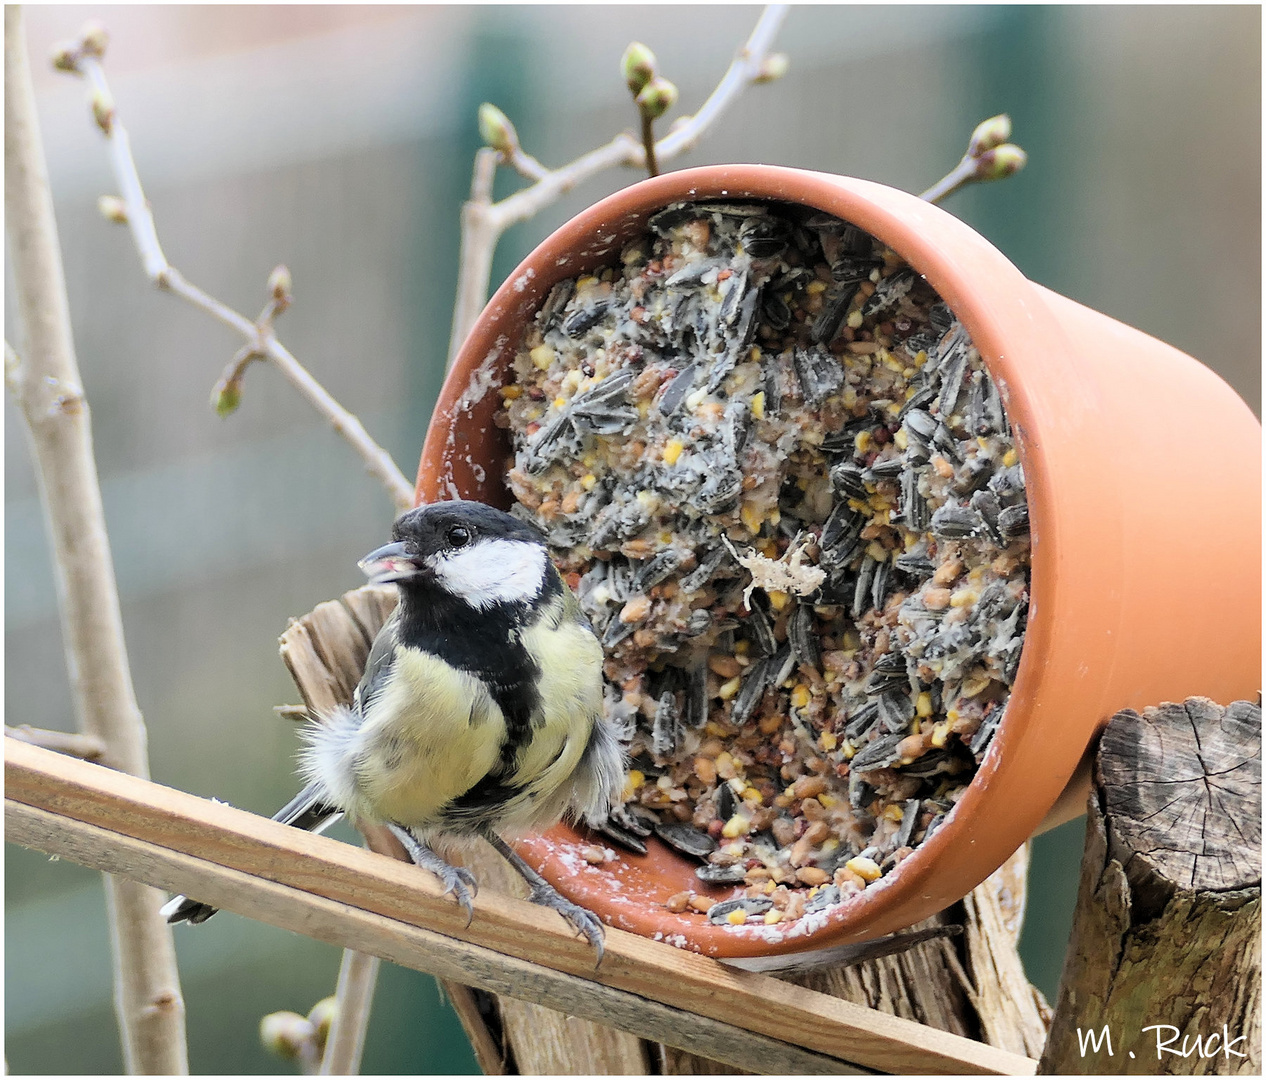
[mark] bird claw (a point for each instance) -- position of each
(461, 884)
(584, 920)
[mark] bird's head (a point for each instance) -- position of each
(474, 553)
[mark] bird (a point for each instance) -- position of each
(480, 711)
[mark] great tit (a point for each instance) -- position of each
(480, 710)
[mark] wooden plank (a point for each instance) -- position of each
(409, 946)
(258, 848)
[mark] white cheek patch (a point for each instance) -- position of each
(493, 572)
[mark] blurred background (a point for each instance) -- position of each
(339, 141)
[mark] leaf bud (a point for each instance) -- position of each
(989, 134)
(285, 1034)
(93, 39)
(637, 65)
(772, 68)
(1000, 162)
(225, 398)
(113, 209)
(656, 98)
(321, 1017)
(103, 110)
(66, 57)
(280, 284)
(496, 130)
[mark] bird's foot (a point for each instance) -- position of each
(457, 880)
(584, 920)
(543, 893)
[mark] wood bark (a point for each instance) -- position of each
(972, 985)
(1166, 949)
(48, 390)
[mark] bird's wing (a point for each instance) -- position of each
(381, 656)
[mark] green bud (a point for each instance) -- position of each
(322, 1019)
(113, 209)
(1000, 162)
(656, 98)
(280, 284)
(285, 1034)
(93, 39)
(226, 396)
(773, 67)
(637, 66)
(989, 134)
(103, 110)
(66, 57)
(496, 130)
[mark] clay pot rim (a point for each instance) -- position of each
(1003, 326)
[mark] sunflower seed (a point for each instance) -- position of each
(666, 731)
(1013, 522)
(819, 373)
(547, 318)
(889, 293)
(686, 839)
(763, 238)
(861, 721)
(777, 313)
(909, 819)
(720, 913)
(722, 875)
(877, 755)
(848, 481)
(952, 521)
(694, 712)
(804, 642)
(823, 898)
(835, 305)
(865, 579)
(896, 710)
(578, 322)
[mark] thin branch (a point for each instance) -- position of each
(259, 334)
(74, 743)
(356, 978)
(959, 176)
(484, 223)
(150, 1011)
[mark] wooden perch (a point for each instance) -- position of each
(357, 899)
(1166, 950)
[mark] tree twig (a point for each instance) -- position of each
(147, 989)
(74, 743)
(483, 222)
(356, 978)
(259, 334)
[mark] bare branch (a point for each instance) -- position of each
(356, 978)
(259, 334)
(150, 1011)
(74, 743)
(484, 222)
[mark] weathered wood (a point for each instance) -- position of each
(1165, 955)
(341, 893)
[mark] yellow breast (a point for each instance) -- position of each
(431, 736)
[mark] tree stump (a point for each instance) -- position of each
(972, 985)
(1163, 974)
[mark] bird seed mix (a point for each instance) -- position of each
(777, 474)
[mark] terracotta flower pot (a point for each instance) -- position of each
(1143, 475)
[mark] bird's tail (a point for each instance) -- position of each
(305, 811)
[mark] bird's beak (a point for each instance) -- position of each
(391, 562)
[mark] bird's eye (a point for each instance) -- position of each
(458, 536)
